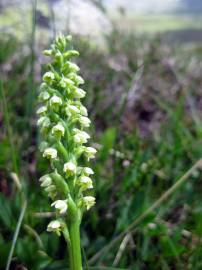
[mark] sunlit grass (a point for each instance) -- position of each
(158, 23)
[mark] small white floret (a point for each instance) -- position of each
(58, 130)
(85, 121)
(89, 201)
(90, 152)
(54, 226)
(60, 205)
(79, 93)
(69, 168)
(50, 153)
(88, 171)
(41, 110)
(55, 101)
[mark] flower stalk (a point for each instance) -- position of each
(62, 122)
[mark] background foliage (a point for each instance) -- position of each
(144, 97)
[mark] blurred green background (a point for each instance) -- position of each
(142, 65)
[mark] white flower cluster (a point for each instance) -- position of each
(62, 123)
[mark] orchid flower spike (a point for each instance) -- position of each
(63, 122)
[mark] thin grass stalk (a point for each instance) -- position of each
(15, 237)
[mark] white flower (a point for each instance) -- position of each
(43, 96)
(43, 121)
(45, 181)
(89, 201)
(69, 168)
(54, 226)
(48, 77)
(73, 67)
(78, 79)
(79, 93)
(41, 110)
(73, 109)
(80, 136)
(85, 182)
(55, 101)
(77, 138)
(90, 152)
(85, 121)
(88, 170)
(83, 110)
(50, 153)
(58, 130)
(60, 205)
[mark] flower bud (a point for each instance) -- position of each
(61, 206)
(42, 146)
(71, 53)
(69, 168)
(47, 52)
(61, 42)
(58, 57)
(50, 153)
(65, 83)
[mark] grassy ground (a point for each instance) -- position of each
(144, 99)
(152, 23)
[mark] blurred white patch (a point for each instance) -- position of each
(145, 5)
(81, 17)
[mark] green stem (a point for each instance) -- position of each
(74, 245)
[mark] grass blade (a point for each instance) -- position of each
(22, 213)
